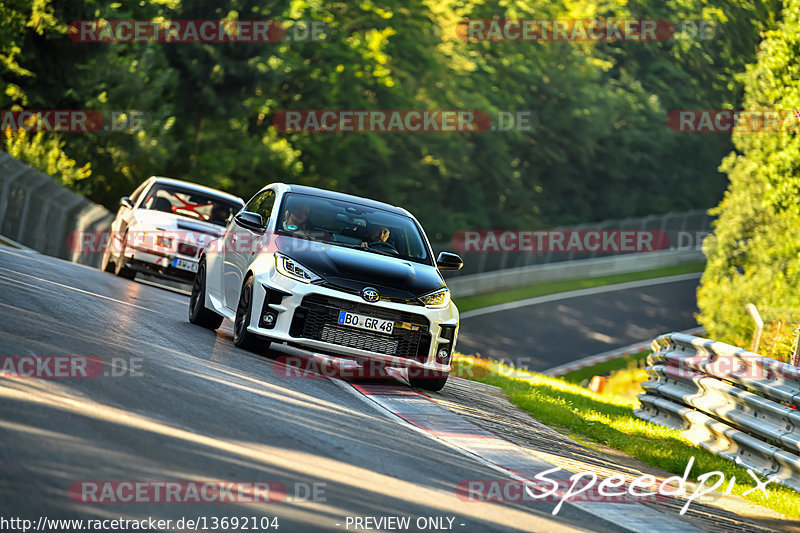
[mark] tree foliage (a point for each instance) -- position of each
(599, 148)
(754, 256)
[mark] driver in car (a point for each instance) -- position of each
(377, 234)
(296, 219)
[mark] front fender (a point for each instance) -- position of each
(213, 255)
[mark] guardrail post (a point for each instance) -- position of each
(794, 359)
(759, 326)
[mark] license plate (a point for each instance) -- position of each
(377, 325)
(184, 264)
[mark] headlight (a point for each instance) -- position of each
(149, 237)
(292, 269)
(436, 299)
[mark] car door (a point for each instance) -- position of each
(241, 244)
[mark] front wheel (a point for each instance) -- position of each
(241, 337)
(428, 380)
(107, 265)
(119, 264)
(198, 313)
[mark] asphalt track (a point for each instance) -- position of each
(198, 409)
(566, 327)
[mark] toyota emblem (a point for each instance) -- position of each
(370, 294)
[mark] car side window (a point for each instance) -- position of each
(255, 202)
(265, 207)
(262, 204)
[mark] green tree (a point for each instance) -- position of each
(754, 255)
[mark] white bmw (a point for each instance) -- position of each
(162, 227)
(327, 274)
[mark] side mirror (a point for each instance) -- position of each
(448, 261)
(250, 220)
(125, 201)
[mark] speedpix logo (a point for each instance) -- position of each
(550, 486)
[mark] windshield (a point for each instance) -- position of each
(352, 225)
(190, 204)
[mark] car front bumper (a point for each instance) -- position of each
(158, 263)
(287, 299)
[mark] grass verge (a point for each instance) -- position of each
(468, 303)
(609, 420)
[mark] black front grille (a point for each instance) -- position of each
(318, 318)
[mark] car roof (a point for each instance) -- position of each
(313, 191)
(197, 187)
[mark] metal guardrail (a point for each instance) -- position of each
(40, 213)
(685, 231)
(735, 403)
(512, 278)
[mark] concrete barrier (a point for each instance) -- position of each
(38, 212)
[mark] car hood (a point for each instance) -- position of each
(168, 221)
(353, 270)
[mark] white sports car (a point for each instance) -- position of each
(328, 274)
(162, 227)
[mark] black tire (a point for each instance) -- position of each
(432, 381)
(119, 262)
(199, 314)
(241, 337)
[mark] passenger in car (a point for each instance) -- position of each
(162, 204)
(219, 214)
